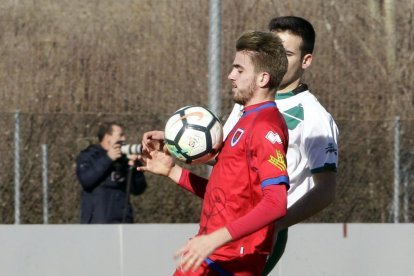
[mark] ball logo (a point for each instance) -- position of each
(199, 115)
(194, 142)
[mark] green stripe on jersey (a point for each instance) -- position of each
(293, 116)
(281, 96)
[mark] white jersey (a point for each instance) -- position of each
(313, 139)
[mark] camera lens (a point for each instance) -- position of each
(131, 149)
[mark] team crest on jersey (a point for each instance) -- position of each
(278, 160)
(273, 137)
(236, 136)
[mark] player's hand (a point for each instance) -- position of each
(153, 140)
(192, 255)
(157, 162)
(199, 248)
(114, 151)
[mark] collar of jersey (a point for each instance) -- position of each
(257, 107)
(301, 88)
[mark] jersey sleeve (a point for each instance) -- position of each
(268, 154)
(193, 183)
(320, 139)
(272, 207)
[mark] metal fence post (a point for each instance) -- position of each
(45, 184)
(214, 70)
(396, 200)
(17, 167)
(406, 199)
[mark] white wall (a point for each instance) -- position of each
(147, 249)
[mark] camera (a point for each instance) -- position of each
(130, 149)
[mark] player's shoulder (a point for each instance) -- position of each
(314, 115)
(269, 114)
(312, 105)
(269, 129)
(271, 119)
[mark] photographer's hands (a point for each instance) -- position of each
(114, 151)
(132, 159)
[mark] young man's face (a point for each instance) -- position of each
(243, 78)
(292, 44)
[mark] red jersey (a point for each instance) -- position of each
(253, 156)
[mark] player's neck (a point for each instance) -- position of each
(260, 98)
(289, 87)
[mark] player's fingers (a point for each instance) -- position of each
(197, 264)
(187, 259)
(143, 160)
(146, 145)
(180, 253)
(193, 262)
(188, 263)
(143, 157)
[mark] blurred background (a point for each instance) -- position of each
(67, 65)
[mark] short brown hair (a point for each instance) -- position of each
(106, 128)
(267, 54)
(297, 26)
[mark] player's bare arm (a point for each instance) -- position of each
(318, 198)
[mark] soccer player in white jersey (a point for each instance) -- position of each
(313, 135)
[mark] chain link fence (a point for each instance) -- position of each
(366, 176)
(65, 135)
(68, 65)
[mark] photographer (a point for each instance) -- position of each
(105, 174)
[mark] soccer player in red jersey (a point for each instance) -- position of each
(247, 189)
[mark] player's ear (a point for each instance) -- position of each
(306, 61)
(263, 79)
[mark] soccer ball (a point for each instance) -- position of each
(193, 134)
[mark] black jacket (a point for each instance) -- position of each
(104, 184)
